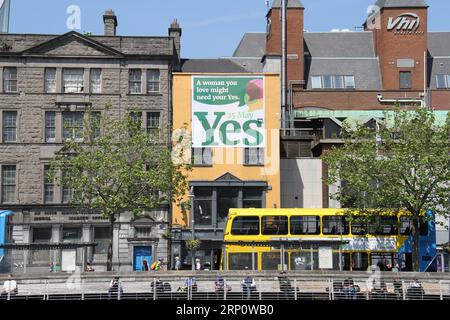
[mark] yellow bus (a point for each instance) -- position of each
(316, 239)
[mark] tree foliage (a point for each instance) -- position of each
(119, 167)
(400, 163)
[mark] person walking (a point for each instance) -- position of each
(115, 286)
(177, 263)
(144, 265)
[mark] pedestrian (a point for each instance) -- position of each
(177, 263)
(115, 286)
(156, 265)
(10, 286)
(198, 265)
(144, 265)
(349, 289)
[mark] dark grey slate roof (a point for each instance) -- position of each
(211, 65)
(340, 44)
(439, 48)
(366, 71)
(249, 64)
(290, 4)
(439, 44)
(401, 4)
(252, 45)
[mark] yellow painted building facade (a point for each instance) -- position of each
(225, 176)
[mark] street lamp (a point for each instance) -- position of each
(191, 213)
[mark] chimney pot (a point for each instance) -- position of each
(110, 21)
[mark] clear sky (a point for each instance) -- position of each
(211, 28)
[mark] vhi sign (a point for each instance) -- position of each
(228, 112)
(404, 22)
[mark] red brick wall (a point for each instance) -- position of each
(294, 40)
(391, 46)
(364, 100)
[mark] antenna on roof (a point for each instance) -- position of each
(267, 3)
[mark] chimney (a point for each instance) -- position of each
(110, 21)
(175, 33)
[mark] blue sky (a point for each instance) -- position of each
(211, 28)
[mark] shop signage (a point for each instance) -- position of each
(228, 112)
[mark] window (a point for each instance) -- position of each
(245, 226)
(102, 238)
(96, 80)
(335, 225)
(50, 126)
(327, 82)
(153, 123)
(67, 193)
(73, 80)
(442, 81)
(49, 186)
(203, 206)
(406, 227)
(360, 261)
(10, 79)
(44, 236)
(383, 225)
(143, 232)
(254, 156)
(8, 183)
(274, 225)
(359, 227)
(226, 198)
(316, 82)
(333, 82)
(405, 80)
(305, 225)
(202, 156)
(252, 198)
(9, 126)
(94, 120)
(71, 235)
(241, 261)
(153, 81)
(50, 80)
(349, 82)
(135, 80)
(302, 260)
(272, 261)
(73, 122)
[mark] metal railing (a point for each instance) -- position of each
(233, 288)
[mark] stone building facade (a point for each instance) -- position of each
(48, 82)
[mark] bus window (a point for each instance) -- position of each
(275, 225)
(241, 261)
(405, 226)
(301, 260)
(359, 228)
(305, 225)
(335, 225)
(386, 225)
(360, 261)
(384, 261)
(245, 226)
(424, 228)
(272, 260)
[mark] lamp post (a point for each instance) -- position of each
(191, 211)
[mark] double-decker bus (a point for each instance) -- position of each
(318, 239)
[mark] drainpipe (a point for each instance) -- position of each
(283, 63)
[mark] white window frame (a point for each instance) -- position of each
(5, 126)
(96, 77)
(314, 82)
(73, 80)
(152, 81)
(50, 80)
(205, 155)
(3, 184)
(134, 82)
(9, 81)
(254, 159)
(75, 135)
(446, 79)
(349, 82)
(46, 184)
(47, 138)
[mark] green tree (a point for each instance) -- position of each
(119, 167)
(400, 163)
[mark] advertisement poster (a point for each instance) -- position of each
(228, 112)
(325, 258)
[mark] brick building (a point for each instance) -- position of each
(340, 76)
(47, 84)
